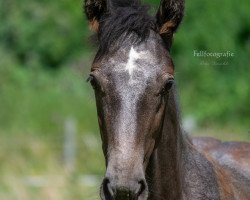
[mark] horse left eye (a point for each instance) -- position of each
(169, 84)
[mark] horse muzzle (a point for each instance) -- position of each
(135, 189)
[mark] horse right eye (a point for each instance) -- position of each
(96, 84)
(92, 81)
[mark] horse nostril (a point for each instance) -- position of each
(107, 190)
(142, 187)
(115, 191)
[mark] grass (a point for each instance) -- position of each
(56, 187)
(32, 166)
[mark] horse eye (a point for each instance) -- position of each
(169, 84)
(92, 81)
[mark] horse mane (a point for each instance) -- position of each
(122, 19)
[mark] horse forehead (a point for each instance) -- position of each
(136, 67)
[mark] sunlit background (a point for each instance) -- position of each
(49, 140)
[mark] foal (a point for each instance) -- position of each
(147, 156)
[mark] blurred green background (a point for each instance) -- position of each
(49, 139)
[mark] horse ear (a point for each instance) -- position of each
(169, 16)
(94, 9)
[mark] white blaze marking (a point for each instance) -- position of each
(130, 94)
(131, 78)
(133, 56)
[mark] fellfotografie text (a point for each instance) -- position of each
(201, 53)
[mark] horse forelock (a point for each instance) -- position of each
(124, 19)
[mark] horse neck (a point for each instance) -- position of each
(176, 168)
(164, 170)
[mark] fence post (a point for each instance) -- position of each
(69, 149)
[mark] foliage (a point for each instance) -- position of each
(37, 100)
(43, 33)
(215, 93)
(48, 34)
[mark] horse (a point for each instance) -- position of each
(147, 154)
